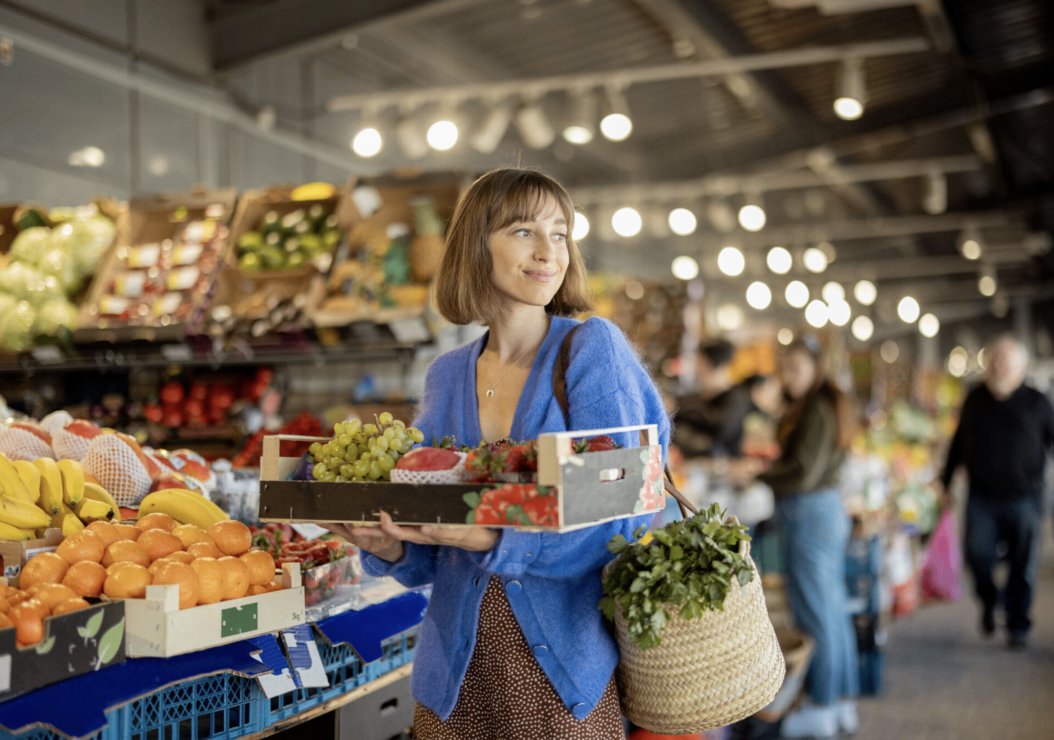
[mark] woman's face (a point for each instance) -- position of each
(797, 374)
(530, 257)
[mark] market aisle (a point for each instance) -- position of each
(943, 681)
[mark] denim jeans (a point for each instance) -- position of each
(815, 532)
(1018, 525)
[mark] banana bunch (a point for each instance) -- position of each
(186, 507)
(49, 493)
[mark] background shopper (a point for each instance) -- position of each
(710, 421)
(1005, 431)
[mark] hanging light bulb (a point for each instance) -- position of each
(784, 336)
(865, 292)
(581, 125)
(958, 361)
(852, 94)
(626, 222)
(685, 268)
(929, 325)
(442, 135)
(908, 310)
(816, 314)
(731, 261)
(839, 312)
(759, 295)
(729, 317)
(986, 284)
(970, 243)
(752, 216)
(581, 228)
(797, 294)
(779, 260)
(863, 328)
(935, 197)
(367, 142)
(616, 125)
(533, 125)
(814, 260)
(486, 138)
(832, 292)
(889, 351)
(682, 222)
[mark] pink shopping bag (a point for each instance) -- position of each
(940, 577)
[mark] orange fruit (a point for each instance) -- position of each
(235, 578)
(264, 588)
(50, 594)
(205, 550)
(84, 546)
(45, 567)
(126, 581)
(5, 605)
(125, 551)
(28, 622)
(69, 605)
(183, 576)
(212, 582)
(157, 543)
(127, 531)
(157, 520)
(190, 533)
(85, 578)
(106, 530)
(17, 597)
(5, 622)
(180, 556)
(260, 565)
(231, 536)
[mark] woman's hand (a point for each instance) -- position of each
(386, 541)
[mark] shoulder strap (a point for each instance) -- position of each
(563, 361)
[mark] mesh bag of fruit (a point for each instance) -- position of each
(23, 442)
(72, 441)
(119, 468)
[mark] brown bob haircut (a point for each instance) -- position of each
(464, 288)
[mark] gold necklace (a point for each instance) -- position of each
(489, 393)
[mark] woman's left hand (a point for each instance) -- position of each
(474, 538)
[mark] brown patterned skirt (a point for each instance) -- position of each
(507, 696)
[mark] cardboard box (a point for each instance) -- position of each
(157, 627)
(572, 490)
(74, 643)
(13, 555)
(149, 220)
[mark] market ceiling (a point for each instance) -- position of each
(731, 102)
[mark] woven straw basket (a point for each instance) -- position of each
(707, 672)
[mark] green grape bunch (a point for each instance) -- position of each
(363, 452)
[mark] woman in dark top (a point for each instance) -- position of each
(814, 434)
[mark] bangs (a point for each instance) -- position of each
(525, 198)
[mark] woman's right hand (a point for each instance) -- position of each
(374, 540)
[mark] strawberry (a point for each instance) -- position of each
(478, 464)
(515, 459)
(595, 444)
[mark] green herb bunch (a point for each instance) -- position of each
(687, 568)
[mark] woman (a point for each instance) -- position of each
(513, 645)
(814, 434)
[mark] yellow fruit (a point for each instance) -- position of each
(96, 492)
(72, 482)
(158, 543)
(11, 481)
(83, 546)
(185, 506)
(231, 537)
(71, 525)
(50, 485)
(126, 581)
(22, 514)
(85, 578)
(95, 511)
(260, 565)
(7, 532)
(235, 578)
(125, 551)
(45, 567)
(30, 476)
(183, 576)
(156, 520)
(211, 580)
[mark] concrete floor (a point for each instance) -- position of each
(942, 680)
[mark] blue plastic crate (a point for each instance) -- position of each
(398, 651)
(214, 707)
(49, 735)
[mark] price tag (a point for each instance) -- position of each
(5, 673)
(176, 352)
(47, 354)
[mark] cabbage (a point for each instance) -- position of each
(21, 280)
(30, 244)
(58, 262)
(84, 241)
(53, 316)
(7, 302)
(16, 327)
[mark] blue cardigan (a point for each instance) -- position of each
(552, 581)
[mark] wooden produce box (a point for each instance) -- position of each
(573, 490)
(74, 643)
(149, 229)
(356, 289)
(252, 294)
(157, 627)
(14, 554)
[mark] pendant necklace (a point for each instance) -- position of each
(489, 393)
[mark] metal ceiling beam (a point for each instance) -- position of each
(630, 76)
(299, 27)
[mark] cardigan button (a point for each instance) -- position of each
(475, 581)
(513, 587)
(580, 711)
(540, 650)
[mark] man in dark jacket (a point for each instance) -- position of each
(709, 423)
(1005, 431)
